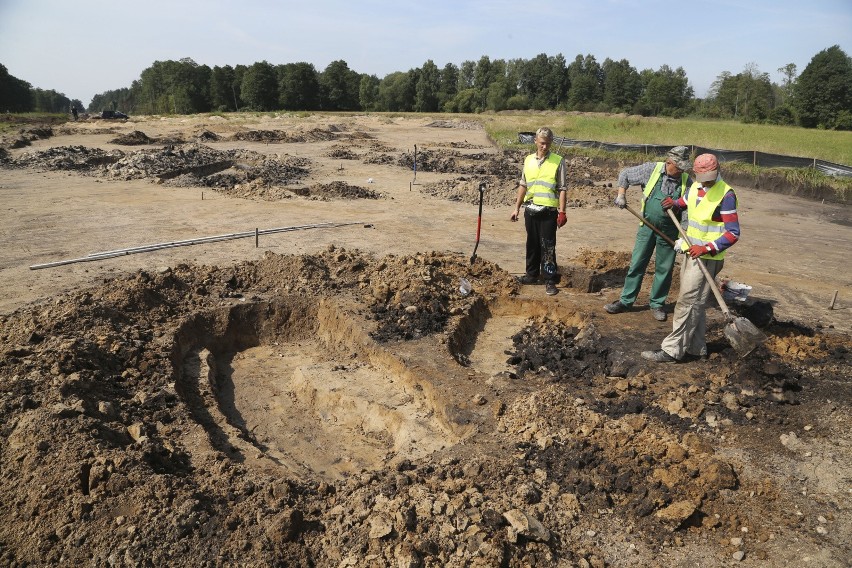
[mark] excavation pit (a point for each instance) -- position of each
(513, 337)
(295, 384)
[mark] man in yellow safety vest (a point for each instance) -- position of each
(714, 226)
(541, 190)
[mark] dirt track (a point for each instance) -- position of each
(330, 398)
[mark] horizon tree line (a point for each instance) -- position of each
(820, 97)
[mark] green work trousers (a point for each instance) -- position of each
(647, 241)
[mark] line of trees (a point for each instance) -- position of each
(820, 97)
(16, 95)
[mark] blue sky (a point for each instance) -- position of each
(84, 47)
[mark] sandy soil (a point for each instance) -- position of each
(330, 398)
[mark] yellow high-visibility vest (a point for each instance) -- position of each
(702, 228)
(652, 181)
(541, 180)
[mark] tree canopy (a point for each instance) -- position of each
(820, 97)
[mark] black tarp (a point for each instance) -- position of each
(753, 157)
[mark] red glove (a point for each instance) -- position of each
(561, 219)
(667, 203)
(697, 250)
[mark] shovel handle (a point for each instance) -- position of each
(710, 279)
(650, 226)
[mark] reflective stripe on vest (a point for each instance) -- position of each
(541, 181)
(702, 228)
(652, 181)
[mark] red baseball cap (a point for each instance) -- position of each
(706, 168)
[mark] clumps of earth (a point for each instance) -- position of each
(309, 410)
(557, 351)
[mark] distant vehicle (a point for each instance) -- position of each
(113, 114)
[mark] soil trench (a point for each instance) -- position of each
(336, 397)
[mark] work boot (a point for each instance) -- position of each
(658, 356)
(550, 289)
(659, 314)
(615, 308)
(527, 279)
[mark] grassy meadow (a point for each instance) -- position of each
(830, 145)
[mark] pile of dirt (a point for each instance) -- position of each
(409, 305)
(280, 136)
(207, 136)
(26, 136)
(135, 138)
(463, 124)
(267, 136)
(341, 153)
(78, 158)
(602, 260)
(336, 190)
(504, 165)
(466, 190)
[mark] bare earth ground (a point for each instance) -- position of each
(330, 398)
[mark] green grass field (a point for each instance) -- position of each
(829, 145)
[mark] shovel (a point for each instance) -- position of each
(478, 221)
(650, 226)
(741, 333)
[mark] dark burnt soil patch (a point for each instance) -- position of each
(556, 351)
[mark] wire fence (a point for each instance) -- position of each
(752, 157)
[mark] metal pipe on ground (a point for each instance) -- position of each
(201, 240)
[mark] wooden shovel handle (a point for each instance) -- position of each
(703, 268)
(650, 226)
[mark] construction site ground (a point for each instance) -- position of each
(327, 395)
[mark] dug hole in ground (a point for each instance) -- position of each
(331, 397)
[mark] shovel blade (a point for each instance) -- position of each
(743, 336)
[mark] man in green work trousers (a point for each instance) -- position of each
(659, 180)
